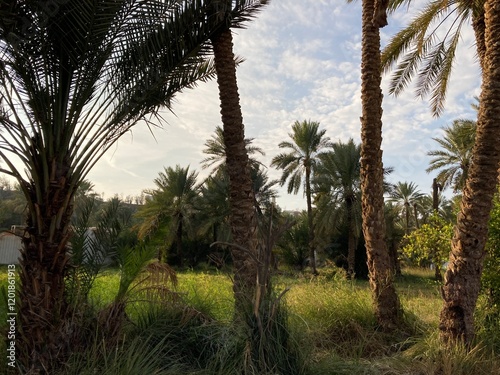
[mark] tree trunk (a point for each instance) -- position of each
(43, 328)
(351, 240)
(310, 222)
(386, 302)
(178, 241)
(463, 275)
(241, 196)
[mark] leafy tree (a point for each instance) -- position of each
(74, 80)
(454, 157)
(429, 244)
(307, 143)
(337, 185)
(491, 276)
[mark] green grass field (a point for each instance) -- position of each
(330, 320)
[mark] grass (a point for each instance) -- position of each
(329, 319)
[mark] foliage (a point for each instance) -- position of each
(171, 207)
(454, 156)
(421, 50)
(491, 273)
(430, 244)
(216, 151)
(293, 246)
(407, 197)
(12, 204)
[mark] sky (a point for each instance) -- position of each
(302, 62)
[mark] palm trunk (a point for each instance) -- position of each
(310, 222)
(351, 241)
(415, 213)
(241, 196)
(386, 301)
(407, 218)
(43, 332)
(463, 275)
(178, 240)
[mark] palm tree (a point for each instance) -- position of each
(454, 157)
(308, 141)
(337, 181)
(216, 150)
(419, 50)
(241, 196)
(463, 275)
(74, 80)
(386, 301)
(172, 204)
(407, 197)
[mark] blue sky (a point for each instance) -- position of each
(302, 62)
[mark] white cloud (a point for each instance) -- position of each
(302, 61)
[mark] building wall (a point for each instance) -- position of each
(10, 246)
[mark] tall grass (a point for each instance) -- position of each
(324, 325)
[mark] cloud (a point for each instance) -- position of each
(302, 61)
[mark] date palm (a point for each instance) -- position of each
(462, 279)
(241, 195)
(407, 197)
(74, 79)
(301, 159)
(216, 151)
(172, 205)
(419, 50)
(386, 301)
(337, 183)
(467, 254)
(454, 156)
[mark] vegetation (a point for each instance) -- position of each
(115, 287)
(329, 318)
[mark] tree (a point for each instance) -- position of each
(463, 275)
(337, 184)
(172, 204)
(241, 195)
(75, 78)
(407, 197)
(429, 244)
(308, 141)
(454, 157)
(386, 301)
(419, 50)
(216, 150)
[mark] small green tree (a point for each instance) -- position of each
(491, 274)
(430, 244)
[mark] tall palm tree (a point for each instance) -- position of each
(308, 142)
(73, 80)
(337, 180)
(454, 157)
(386, 301)
(407, 197)
(463, 275)
(466, 259)
(241, 196)
(216, 150)
(419, 50)
(172, 204)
